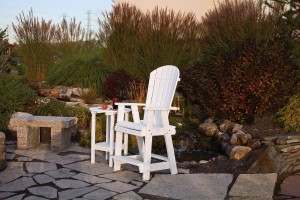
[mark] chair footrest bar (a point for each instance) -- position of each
(159, 157)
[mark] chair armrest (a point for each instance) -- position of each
(161, 108)
(130, 104)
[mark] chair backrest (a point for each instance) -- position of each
(161, 88)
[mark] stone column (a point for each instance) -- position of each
(2, 151)
(28, 137)
(61, 138)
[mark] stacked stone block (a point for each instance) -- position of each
(288, 146)
(2, 151)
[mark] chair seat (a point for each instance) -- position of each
(139, 129)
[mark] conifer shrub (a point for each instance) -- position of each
(14, 96)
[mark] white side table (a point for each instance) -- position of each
(109, 144)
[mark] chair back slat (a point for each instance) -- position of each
(161, 89)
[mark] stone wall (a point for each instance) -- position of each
(2, 151)
(288, 146)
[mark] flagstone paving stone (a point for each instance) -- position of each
(88, 168)
(34, 198)
(117, 186)
(123, 176)
(100, 194)
(39, 167)
(254, 186)
(72, 193)
(90, 178)
(18, 185)
(189, 186)
(10, 174)
(60, 173)
(9, 156)
(6, 194)
(24, 159)
(128, 196)
(17, 197)
(291, 186)
(69, 183)
(43, 178)
(45, 191)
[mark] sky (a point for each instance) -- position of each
(54, 10)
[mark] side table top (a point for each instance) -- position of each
(108, 111)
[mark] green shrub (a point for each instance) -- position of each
(85, 140)
(14, 95)
(53, 108)
(84, 69)
(289, 115)
(139, 43)
(243, 68)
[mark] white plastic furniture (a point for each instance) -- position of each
(161, 89)
(109, 144)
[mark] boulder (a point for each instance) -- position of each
(243, 137)
(226, 126)
(236, 128)
(268, 160)
(208, 129)
(254, 143)
(280, 141)
(49, 93)
(239, 152)
(234, 139)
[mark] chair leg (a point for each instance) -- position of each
(147, 157)
(118, 150)
(171, 155)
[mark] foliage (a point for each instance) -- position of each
(289, 25)
(116, 84)
(53, 108)
(84, 69)
(35, 38)
(3, 51)
(14, 95)
(243, 68)
(85, 140)
(289, 115)
(148, 40)
(72, 38)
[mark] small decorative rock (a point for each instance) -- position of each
(208, 128)
(234, 139)
(239, 152)
(226, 125)
(242, 137)
(2, 151)
(254, 143)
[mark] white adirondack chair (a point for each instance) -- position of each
(161, 89)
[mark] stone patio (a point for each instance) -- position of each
(43, 174)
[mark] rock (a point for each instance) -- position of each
(224, 140)
(2, 151)
(219, 134)
(254, 143)
(208, 129)
(239, 152)
(226, 126)
(236, 128)
(280, 141)
(49, 93)
(268, 160)
(243, 137)
(234, 139)
(72, 99)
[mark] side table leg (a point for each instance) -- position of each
(93, 132)
(111, 138)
